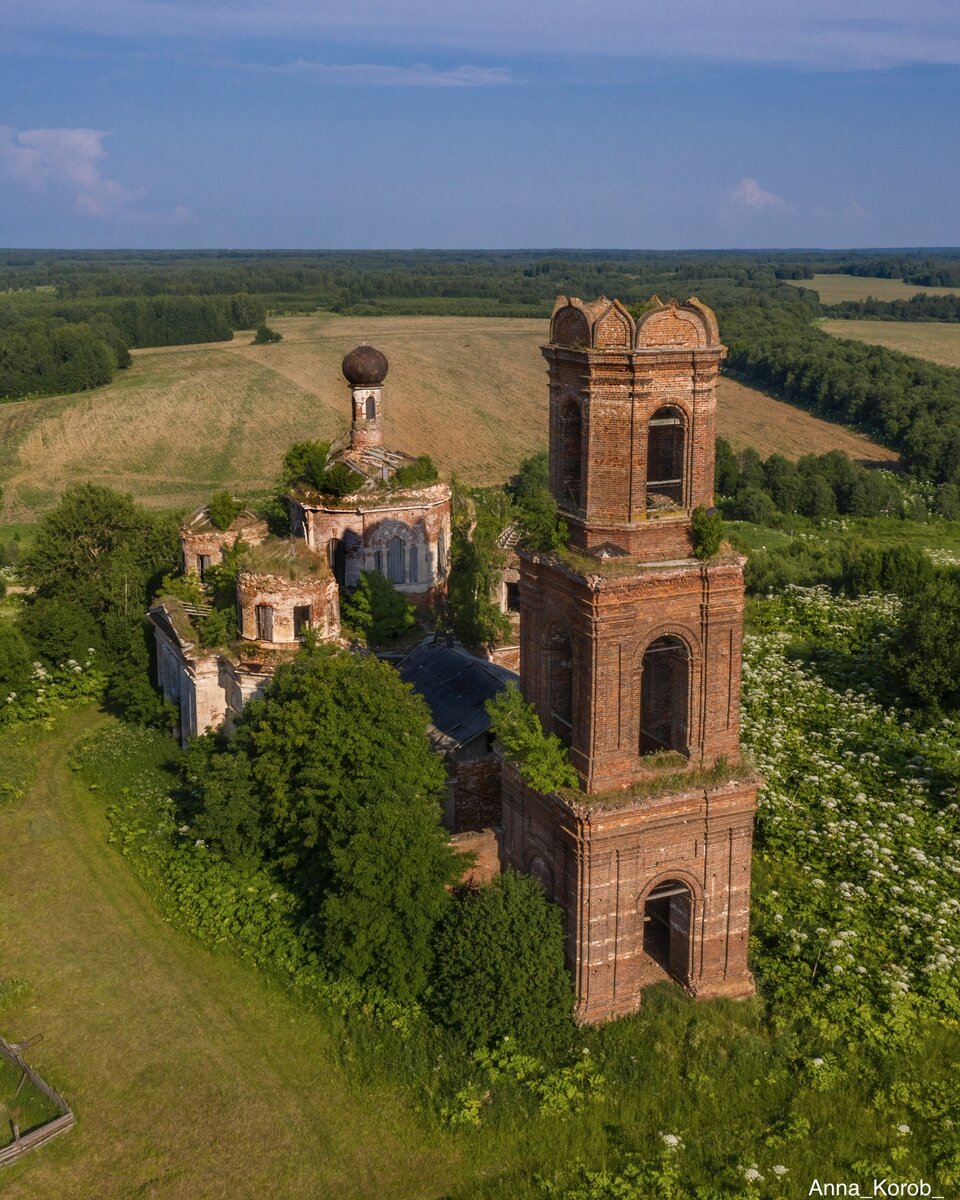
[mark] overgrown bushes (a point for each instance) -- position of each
(374, 611)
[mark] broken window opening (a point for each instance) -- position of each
(665, 455)
(664, 693)
(301, 620)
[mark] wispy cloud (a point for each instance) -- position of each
(748, 194)
(384, 75)
(826, 34)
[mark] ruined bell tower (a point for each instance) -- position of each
(631, 654)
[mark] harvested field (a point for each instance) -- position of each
(937, 340)
(834, 289)
(184, 421)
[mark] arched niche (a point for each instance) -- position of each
(614, 329)
(570, 327)
(673, 325)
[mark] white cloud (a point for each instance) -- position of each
(70, 159)
(750, 195)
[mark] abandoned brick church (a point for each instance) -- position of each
(629, 650)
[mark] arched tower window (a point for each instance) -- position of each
(560, 683)
(664, 696)
(668, 928)
(571, 453)
(371, 408)
(665, 455)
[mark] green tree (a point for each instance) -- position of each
(265, 335)
(103, 555)
(330, 780)
(476, 561)
(541, 757)
(924, 653)
(375, 611)
(223, 510)
(57, 630)
(707, 532)
(499, 967)
(534, 507)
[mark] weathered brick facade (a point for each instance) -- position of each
(631, 653)
(407, 533)
(478, 801)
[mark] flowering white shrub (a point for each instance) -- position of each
(856, 919)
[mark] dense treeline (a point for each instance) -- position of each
(921, 307)
(904, 402)
(46, 357)
(49, 346)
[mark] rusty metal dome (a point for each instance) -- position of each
(365, 366)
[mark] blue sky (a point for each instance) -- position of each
(349, 123)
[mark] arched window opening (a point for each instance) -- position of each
(668, 928)
(571, 454)
(371, 408)
(395, 565)
(664, 693)
(414, 571)
(337, 558)
(560, 683)
(665, 453)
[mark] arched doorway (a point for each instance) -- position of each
(665, 455)
(668, 916)
(571, 453)
(664, 696)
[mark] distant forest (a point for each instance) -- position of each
(68, 319)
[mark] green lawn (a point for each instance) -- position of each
(190, 1074)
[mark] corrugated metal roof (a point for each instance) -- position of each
(456, 685)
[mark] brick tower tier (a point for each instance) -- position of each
(631, 654)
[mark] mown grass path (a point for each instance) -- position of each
(190, 1075)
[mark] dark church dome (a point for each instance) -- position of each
(365, 366)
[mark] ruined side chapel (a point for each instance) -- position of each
(630, 651)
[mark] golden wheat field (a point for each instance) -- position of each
(834, 289)
(184, 421)
(938, 341)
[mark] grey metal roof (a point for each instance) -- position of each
(456, 685)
